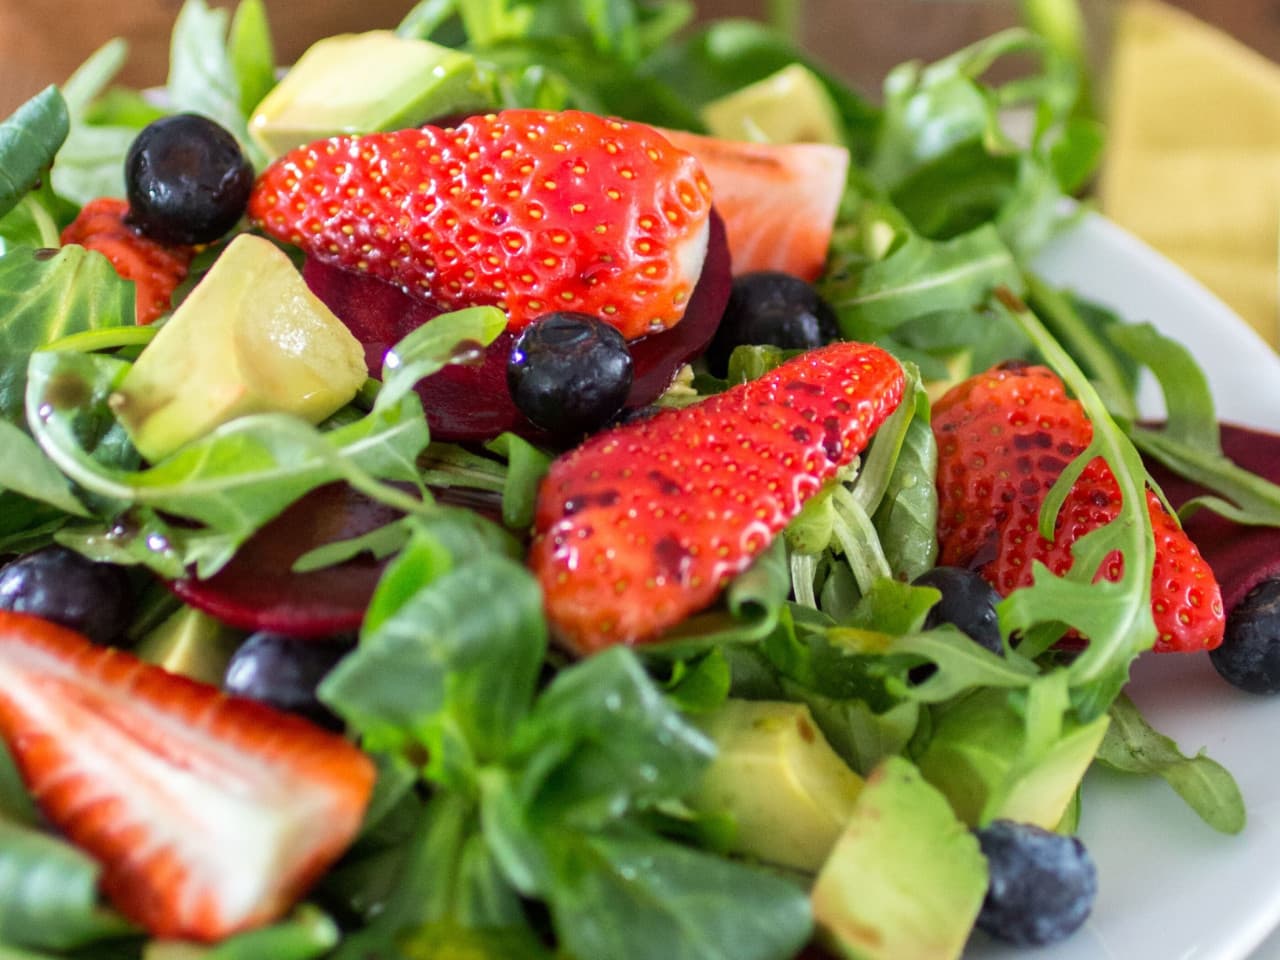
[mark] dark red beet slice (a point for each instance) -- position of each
(1240, 556)
(656, 359)
(257, 590)
(468, 402)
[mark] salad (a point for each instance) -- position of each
(549, 481)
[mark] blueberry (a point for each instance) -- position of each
(284, 672)
(1042, 885)
(968, 603)
(58, 584)
(569, 373)
(187, 180)
(1249, 657)
(772, 308)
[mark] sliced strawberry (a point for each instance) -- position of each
(645, 524)
(155, 269)
(779, 201)
(1004, 437)
(471, 401)
(208, 814)
(531, 211)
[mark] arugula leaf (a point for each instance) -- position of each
(945, 159)
(202, 75)
(1114, 615)
(1089, 334)
(233, 480)
(921, 277)
(625, 895)
(729, 54)
(47, 295)
(29, 139)
(1132, 746)
(91, 162)
(425, 19)
(242, 474)
(49, 893)
(252, 54)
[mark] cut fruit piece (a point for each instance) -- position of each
(790, 106)
(906, 879)
(972, 758)
(258, 589)
(778, 201)
(364, 82)
(250, 338)
(796, 820)
(193, 644)
(209, 814)
(466, 402)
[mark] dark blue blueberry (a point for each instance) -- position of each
(58, 584)
(187, 180)
(771, 308)
(968, 603)
(1042, 885)
(284, 672)
(1249, 657)
(569, 373)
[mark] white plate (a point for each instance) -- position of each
(1170, 888)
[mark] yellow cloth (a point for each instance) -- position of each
(1193, 157)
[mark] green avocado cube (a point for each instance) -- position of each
(906, 878)
(364, 82)
(250, 338)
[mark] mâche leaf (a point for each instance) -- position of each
(48, 893)
(29, 139)
(46, 295)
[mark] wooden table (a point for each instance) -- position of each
(43, 42)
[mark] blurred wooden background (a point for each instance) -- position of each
(42, 42)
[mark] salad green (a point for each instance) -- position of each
(533, 806)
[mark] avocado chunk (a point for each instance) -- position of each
(787, 791)
(790, 106)
(193, 644)
(250, 338)
(364, 82)
(906, 878)
(972, 756)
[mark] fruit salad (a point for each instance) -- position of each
(558, 481)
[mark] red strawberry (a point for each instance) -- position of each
(155, 269)
(531, 211)
(778, 200)
(645, 524)
(209, 814)
(1003, 439)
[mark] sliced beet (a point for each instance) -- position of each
(469, 402)
(656, 358)
(1240, 556)
(258, 589)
